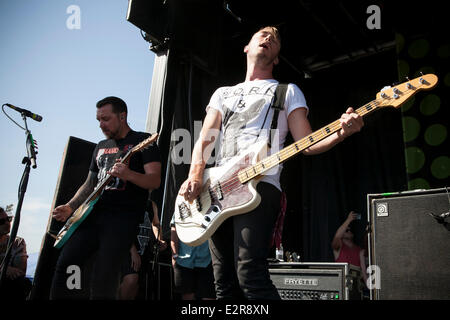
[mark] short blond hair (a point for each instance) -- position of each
(273, 30)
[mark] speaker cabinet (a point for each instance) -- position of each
(73, 172)
(409, 250)
(151, 16)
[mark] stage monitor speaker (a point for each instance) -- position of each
(316, 281)
(409, 249)
(150, 16)
(74, 168)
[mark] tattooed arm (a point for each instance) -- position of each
(61, 213)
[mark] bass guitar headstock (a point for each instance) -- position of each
(396, 96)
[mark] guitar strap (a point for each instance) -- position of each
(277, 105)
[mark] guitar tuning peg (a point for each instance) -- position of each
(408, 85)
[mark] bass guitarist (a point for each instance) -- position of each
(109, 230)
(244, 115)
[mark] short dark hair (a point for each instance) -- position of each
(118, 104)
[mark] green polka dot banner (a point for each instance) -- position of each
(425, 117)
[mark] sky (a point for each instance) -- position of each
(58, 64)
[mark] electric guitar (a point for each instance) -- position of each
(230, 189)
(86, 207)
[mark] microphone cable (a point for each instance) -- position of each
(3, 108)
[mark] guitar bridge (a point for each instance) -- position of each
(184, 210)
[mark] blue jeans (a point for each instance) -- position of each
(240, 248)
(106, 236)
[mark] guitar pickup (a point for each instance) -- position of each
(219, 192)
(216, 192)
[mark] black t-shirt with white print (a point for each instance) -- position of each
(120, 194)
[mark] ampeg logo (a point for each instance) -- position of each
(382, 209)
(301, 282)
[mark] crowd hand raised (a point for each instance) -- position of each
(61, 213)
(352, 216)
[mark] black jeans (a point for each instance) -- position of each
(106, 237)
(240, 248)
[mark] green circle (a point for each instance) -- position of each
(430, 104)
(403, 69)
(447, 80)
(400, 42)
(419, 48)
(435, 134)
(418, 183)
(444, 51)
(440, 167)
(411, 128)
(408, 104)
(415, 159)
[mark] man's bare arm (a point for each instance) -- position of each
(61, 213)
(84, 191)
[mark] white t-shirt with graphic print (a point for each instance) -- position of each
(247, 117)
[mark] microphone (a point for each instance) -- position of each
(27, 113)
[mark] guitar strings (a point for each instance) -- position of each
(295, 147)
(305, 142)
(230, 184)
(274, 159)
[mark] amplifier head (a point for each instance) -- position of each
(315, 281)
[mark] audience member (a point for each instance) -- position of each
(193, 272)
(344, 247)
(15, 286)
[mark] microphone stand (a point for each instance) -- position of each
(29, 161)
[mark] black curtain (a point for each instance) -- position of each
(322, 189)
(188, 90)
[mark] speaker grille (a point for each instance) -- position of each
(410, 248)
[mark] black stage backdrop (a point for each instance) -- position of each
(320, 189)
(205, 51)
